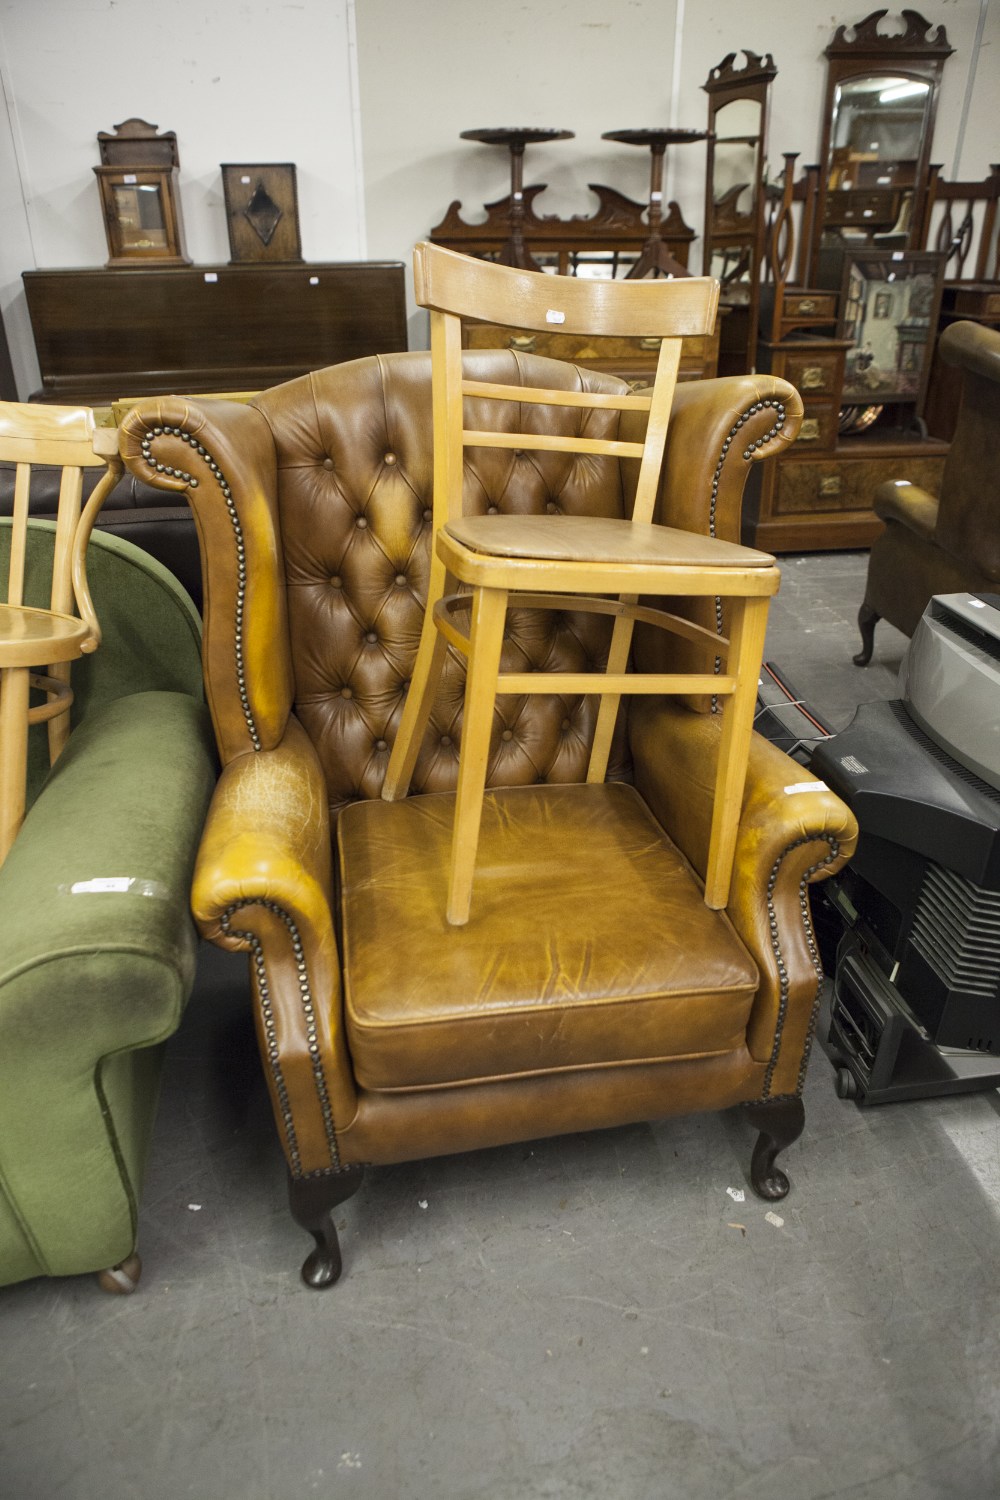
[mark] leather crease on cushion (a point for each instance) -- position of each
(565, 963)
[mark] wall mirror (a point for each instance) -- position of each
(878, 124)
(734, 198)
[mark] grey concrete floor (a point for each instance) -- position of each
(593, 1316)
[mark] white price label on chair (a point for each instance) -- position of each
(554, 316)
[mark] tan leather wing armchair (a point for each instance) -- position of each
(592, 986)
(952, 544)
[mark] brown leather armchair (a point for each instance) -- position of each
(952, 544)
(592, 986)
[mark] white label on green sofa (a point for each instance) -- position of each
(116, 884)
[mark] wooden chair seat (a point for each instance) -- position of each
(594, 539)
(29, 636)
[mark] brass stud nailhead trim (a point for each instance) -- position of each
(772, 920)
(241, 570)
(779, 408)
(312, 1033)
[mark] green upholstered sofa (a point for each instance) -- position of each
(97, 946)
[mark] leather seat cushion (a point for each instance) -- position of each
(589, 942)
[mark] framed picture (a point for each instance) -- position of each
(262, 211)
(890, 302)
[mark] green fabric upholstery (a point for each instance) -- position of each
(151, 630)
(92, 981)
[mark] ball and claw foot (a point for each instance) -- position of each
(312, 1201)
(121, 1280)
(867, 620)
(780, 1122)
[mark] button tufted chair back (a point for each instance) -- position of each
(354, 475)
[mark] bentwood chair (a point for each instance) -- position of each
(558, 561)
(36, 644)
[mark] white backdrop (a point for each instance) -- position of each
(372, 123)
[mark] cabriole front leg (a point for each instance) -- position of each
(867, 620)
(312, 1201)
(780, 1122)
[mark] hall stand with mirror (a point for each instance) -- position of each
(856, 327)
(733, 247)
(878, 126)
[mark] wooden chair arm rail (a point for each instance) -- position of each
(91, 511)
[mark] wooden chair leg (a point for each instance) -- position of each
(59, 723)
(489, 610)
(621, 641)
(13, 753)
(416, 710)
(746, 651)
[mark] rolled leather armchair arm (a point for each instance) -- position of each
(899, 500)
(718, 429)
(263, 883)
(792, 831)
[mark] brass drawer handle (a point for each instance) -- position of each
(524, 343)
(805, 305)
(813, 377)
(809, 431)
(652, 342)
(829, 484)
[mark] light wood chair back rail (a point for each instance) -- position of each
(537, 561)
(37, 643)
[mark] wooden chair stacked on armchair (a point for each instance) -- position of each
(592, 985)
(558, 556)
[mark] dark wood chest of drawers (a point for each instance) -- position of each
(633, 360)
(102, 334)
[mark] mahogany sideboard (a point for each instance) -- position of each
(104, 334)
